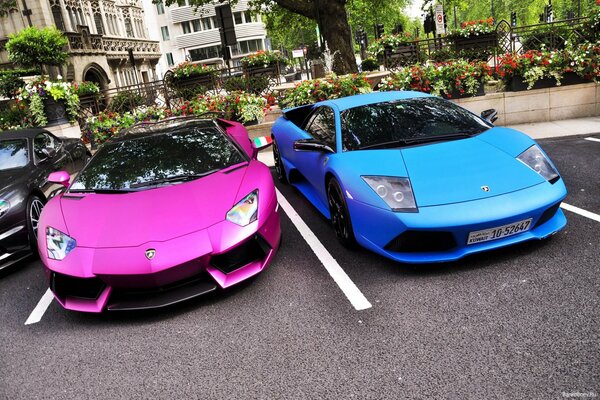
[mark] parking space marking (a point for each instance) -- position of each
(581, 211)
(593, 139)
(40, 309)
(352, 292)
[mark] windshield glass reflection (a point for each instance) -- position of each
(190, 151)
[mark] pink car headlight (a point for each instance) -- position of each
(58, 244)
(246, 211)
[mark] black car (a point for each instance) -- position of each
(27, 157)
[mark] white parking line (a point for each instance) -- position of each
(40, 309)
(593, 139)
(353, 293)
(580, 211)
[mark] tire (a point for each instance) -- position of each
(279, 164)
(340, 217)
(34, 210)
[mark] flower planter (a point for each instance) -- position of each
(476, 42)
(517, 84)
(56, 112)
(571, 78)
(206, 80)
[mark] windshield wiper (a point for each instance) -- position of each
(438, 138)
(391, 143)
(173, 179)
(100, 191)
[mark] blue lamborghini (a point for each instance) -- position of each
(417, 178)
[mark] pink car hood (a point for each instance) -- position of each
(160, 214)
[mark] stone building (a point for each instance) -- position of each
(100, 34)
(189, 33)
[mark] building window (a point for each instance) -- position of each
(247, 46)
(58, 18)
(99, 24)
(128, 28)
(248, 17)
(186, 27)
(196, 25)
(215, 22)
(165, 32)
(206, 24)
(160, 8)
(170, 59)
(237, 16)
(205, 53)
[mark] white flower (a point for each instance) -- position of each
(59, 77)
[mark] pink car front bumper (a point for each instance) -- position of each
(125, 278)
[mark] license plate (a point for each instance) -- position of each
(499, 232)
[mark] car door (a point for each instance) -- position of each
(321, 127)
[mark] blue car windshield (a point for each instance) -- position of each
(13, 154)
(406, 122)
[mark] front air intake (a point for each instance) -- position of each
(251, 250)
(421, 242)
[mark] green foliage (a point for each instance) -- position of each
(86, 88)
(263, 58)
(369, 64)
(453, 78)
(15, 117)
(20, 72)
(125, 101)
(10, 84)
(34, 93)
(312, 91)
(6, 6)
(34, 46)
(252, 84)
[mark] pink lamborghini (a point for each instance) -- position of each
(166, 212)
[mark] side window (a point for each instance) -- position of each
(43, 141)
(322, 126)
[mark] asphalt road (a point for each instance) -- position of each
(520, 323)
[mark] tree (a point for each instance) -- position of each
(330, 15)
(33, 47)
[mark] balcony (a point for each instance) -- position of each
(85, 43)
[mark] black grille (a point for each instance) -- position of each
(251, 250)
(68, 286)
(421, 242)
(547, 215)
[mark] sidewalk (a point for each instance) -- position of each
(567, 127)
(538, 130)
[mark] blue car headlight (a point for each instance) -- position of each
(246, 211)
(4, 206)
(396, 192)
(535, 159)
(59, 244)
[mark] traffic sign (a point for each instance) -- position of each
(439, 20)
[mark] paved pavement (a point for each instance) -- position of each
(520, 323)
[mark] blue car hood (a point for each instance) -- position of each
(459, 170)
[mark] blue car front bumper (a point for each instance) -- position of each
(376, 228)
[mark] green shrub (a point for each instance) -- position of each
(15, 117)
(86, 89)
(312, 91)
(20, 72)
(369, 64)
(34, 47)
(126, 101)
(253, 84)
(10, 84)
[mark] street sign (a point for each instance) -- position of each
(297, 53)
(439, 20)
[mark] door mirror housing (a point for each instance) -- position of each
(61, 177)
(490, 115)
(312, 145)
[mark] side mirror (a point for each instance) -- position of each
(311, 145)
(61, 177)
(490, 115)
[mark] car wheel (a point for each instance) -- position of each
(279, 164)
(34, 210)
(340, 217)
